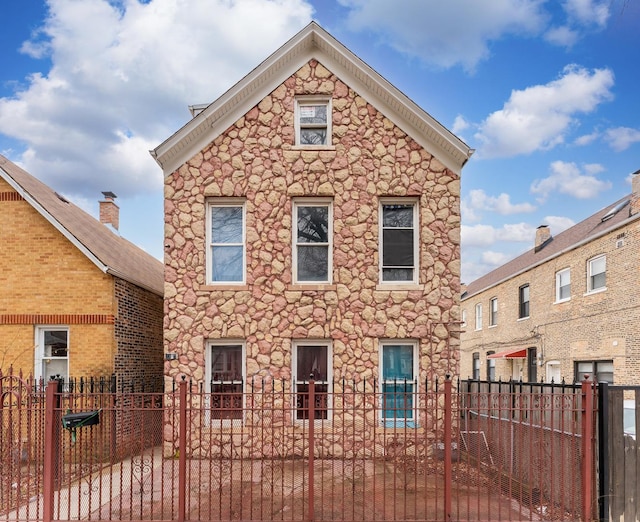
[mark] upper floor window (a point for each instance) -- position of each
(479, 316)
(312, 242)
(313, 121)
(493, 312)
(312, 360)
(597, 274)
(563, 285)
(399, 242)
(226, 253)
(464, 318)
(225, 375)
(476, 366)
(523, 301)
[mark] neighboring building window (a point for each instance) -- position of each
(399, 242)
(523, 301)
(602, 370)
(313, 121)
(476, 366)
(312, 361)
(312, 252)
(553, 372)
(225, 374)
(493, 312)
(464, 318)
(597, 268)
(399, 383)
(563, 285)
(479, 316)
(52, 353)
(532, 360)
(226, 243)
(491, 367)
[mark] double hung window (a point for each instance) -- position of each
(312, 252)
(399, 383)
(479, 316)
(399, 236)
(476, 366)
(493, 312)
(491, 367)
(597, 273)
(523, 302)
(312, 361)
(563, 285)
(225, 374)
(226, 237)
(52, 353)
(313, 121)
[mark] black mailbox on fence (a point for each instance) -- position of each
(71, 421)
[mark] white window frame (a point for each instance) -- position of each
(491, 367)
(416, 240)
(300, 102)
(400, 422)
(297, 203)
(39, 356)
(478, 309)
(210, 344)
(463, 319)
(560, 275)
(590, 274)
(493, 311)
(329, 382)
(475, 366)
(219, 203)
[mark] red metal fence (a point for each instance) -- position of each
(349, 452)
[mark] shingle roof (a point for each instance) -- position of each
(571, 238)
(110, 252)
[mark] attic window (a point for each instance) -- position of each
(614, 210)
(61, 197)
(313, 121)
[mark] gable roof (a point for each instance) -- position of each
(312, 42)
(602, 222)
(109, 252)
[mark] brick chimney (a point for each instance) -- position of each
(109, 211)
(543, 235)
(634, 207)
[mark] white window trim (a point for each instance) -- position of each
(313, 100)
(589, 274)
(492, 323)
(223, 202)
(207, 384)
(416, 240)
(39, 357)
(329, 381)
(416, 382)
(320, 202)
(558, 276)
(478, 316)
(463, 319)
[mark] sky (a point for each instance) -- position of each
(545, 92)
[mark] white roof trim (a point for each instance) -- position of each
(311, 42)
(58, 226)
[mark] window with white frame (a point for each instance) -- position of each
(226, 237)
(399, 383)
(597, 273)
(491, 367)
(312, 242)
(464, 318)
(312, 360)
(523, 302)
(479, 316)
(399, 242)
(602, 371)
(476, 366)
(493, 312)
(52, 353)
(313, 121)
(563, 285)
(225, 375)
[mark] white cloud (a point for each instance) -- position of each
(621, 138)
(494, 259)
(455, 32)
(459, 124)
(562, 36)
(539, 117)
(588, 12)
(486, 235)
(566, 178)
(122, 76)
(479, 200)
(586, 139)
(558, 224)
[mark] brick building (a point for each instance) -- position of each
(77, 299)
(312, 227)
(564, 309)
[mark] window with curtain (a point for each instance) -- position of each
(399, 384)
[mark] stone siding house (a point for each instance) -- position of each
(563, 310)
(77, 299)
(312, 227)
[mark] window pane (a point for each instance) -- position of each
(312, 360)
(227, 263)
(397, 216)
(312, 114)
(397, 362)
(313, 263)
(313, 136)
(397, 248)
(397, 400)
(226, 225)
(55, 343)
(598, 265)
(313, 224)
(226, 363)
(397, 274)
(598, 281)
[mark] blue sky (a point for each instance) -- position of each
(547, 93)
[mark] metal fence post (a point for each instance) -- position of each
(587, 450)
(448, 475)
(182, 452)
(603, 450)
(312, 400)
(50, 450)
